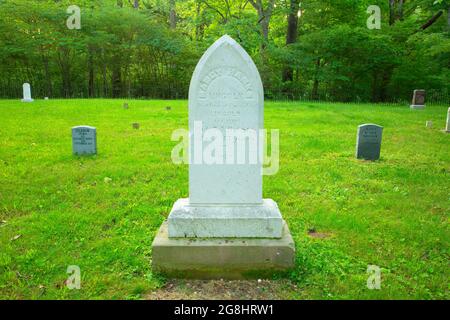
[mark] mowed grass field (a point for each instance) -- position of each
(57, 209)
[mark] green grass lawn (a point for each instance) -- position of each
(392, 213)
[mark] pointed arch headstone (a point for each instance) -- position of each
(238, 232)
(225, 195)
(226, 92)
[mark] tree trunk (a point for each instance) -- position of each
(199, 27)
(173, 14)
(315, 91)
(116, 79)
(49, 86)
(391, 12)
(430, 22)
(105, 81)
(291, 36)
(264, 16)
(91, 73)
(400, 9)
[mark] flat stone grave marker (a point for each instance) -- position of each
(418, 101)
(368, 142)
(27, 93)
(84, 140)
(136, 125)
(125, 105)
(429, 124)
(225, 228)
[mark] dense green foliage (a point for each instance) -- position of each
(392, 213)
(148, 48)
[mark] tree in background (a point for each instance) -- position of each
(304, 49)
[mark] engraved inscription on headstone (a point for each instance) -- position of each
(418, 99)
(84, 140)
(368, 143)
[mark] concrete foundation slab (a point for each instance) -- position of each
(227, 258)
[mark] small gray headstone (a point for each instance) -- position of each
(84, 140)
(429, 124)
(125, 105)
(368, 143)
(168, 108)
(135, 125)
(418, 101)
(447, 127)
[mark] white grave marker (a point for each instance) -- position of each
(27, 93)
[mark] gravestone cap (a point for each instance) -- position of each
(84, 140)
(368, 143)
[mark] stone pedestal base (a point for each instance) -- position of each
(239, 258)
(225, 221)
(417, 107)
(27, 100)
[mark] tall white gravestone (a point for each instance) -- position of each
(225, 197)
(225, 229)
(27, 93)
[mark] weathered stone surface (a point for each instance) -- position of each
(221, 258)
(368, 141)
(136, 125)
(225, 93)
(225, 199)
(429, 124)
(84, 140)
(418, 101)
(27, 93)
(252, 221)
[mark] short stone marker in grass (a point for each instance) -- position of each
(418, 101)
(225, 229)
(27, 93)
(84, 140)
(125, 105)
(429, 124)
(368, 141)
(136, 125)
